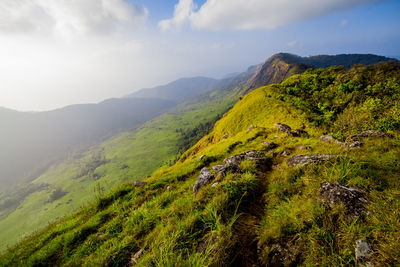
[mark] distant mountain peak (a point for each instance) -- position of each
(283, 65)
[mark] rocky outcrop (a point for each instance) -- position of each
(283, 127)
(302, 160)
(205, 177)
(366, 134)
(287, 129)
(232, 163)
(333, 194)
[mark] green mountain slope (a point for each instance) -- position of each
(31, 142)
(179, 90)
(67, 186)
(262, 210)
(128, 156)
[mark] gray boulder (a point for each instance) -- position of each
(333, 194)
(302, 160)
(205, 177)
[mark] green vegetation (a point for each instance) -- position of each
(240, 220)
(129, 156)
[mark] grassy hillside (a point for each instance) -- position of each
(31, 142)
(269, 212)
(66, 186)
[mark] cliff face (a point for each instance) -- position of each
(275, 70)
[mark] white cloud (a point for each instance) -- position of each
(69, 17)
(183, 11)
(252, 14)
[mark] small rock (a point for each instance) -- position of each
(283, 127)
(352, 198)
(215, 184)
(304, 147)
(139, 183)
(204, 178)
(363, 250)
(169, 188)
(285, 153)
(225, 136)
(201, 157)
(355, 144)
(281, 256)
(137, 256)
(269, 144)
(303, 160)
(251, 128)
(327, 138)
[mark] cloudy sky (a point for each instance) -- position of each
(55, 53)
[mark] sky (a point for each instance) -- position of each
(55, 53)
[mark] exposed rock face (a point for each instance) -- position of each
(363, 250)
(283, 127)
(205, 177)
(303, 160)
(139, 183)
(352, 198)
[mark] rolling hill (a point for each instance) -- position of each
(267, 186)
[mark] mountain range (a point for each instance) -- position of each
(161, 131)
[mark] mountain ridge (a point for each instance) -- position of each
(251, 205)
